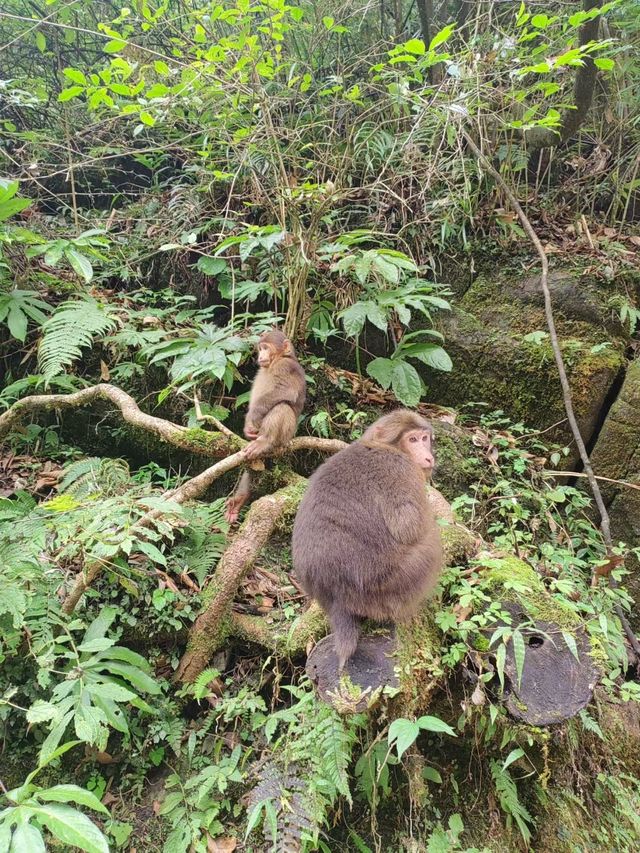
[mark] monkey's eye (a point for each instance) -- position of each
(413, 438)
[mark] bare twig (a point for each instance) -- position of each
(210, 418)
(605, 525)
(555, 474)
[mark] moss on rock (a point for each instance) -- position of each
(494, 363)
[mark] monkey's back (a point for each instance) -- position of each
(343, 550)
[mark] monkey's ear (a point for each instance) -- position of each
(381, 432)
(287, 349)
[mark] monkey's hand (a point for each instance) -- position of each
(232, 510)
(250, 432)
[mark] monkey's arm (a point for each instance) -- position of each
(404, 518)
(287, 386)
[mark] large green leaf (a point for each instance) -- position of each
(435, 724)
(73, 794)
(353, 319)
(72, 828)
(80, 263)
(405, 383)
(381, 369)
(27, 839)
(402, 734)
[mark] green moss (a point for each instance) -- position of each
(418, 660)
(519, 583)
(201, 440)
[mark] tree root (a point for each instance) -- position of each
(214, 625)
(291, 640)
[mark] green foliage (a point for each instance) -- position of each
(403, 733)
(306, 773)
(9, 204)
(70, 328)
(33, 810)
(195, 810)
(210, 352)
(69, 249)
(98, 679)
(507, 794)
(17, 307)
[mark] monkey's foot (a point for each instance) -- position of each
(232, 510)
(253, 450)
(370, 669)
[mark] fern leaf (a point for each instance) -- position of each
(94, 475)
(70, 328)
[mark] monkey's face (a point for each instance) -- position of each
(271, 346)
(266, 354)
(416, 443)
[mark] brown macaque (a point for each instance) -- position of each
(276, 401)
(365, 539)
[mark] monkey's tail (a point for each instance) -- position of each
(346, 630)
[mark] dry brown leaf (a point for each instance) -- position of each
(221, 845)
(104, 372)
(462, 613)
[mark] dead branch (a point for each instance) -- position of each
(605, 525)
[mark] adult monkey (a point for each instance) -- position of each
(365, 540)
(277, 399)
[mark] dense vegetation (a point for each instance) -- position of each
(176, 178)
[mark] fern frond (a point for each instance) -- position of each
(94, 475)
(70, 328)
(200, 686)
(509, 801)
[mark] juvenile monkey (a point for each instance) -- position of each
(276, 401)
(365, 540)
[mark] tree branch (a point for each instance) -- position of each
(605, 525)
(213, 626)
(583, 88)
(198, 441)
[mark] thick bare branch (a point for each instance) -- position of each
(213, 626)
(127, 405)
(198, 441)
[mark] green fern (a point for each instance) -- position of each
(306, 773)
(509, 803)
(94, 476)
(200, 687)
(72, 327)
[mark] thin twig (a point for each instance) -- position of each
(605, 525)
(577, 474)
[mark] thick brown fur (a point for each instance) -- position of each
(365, 540)
(277, 399)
